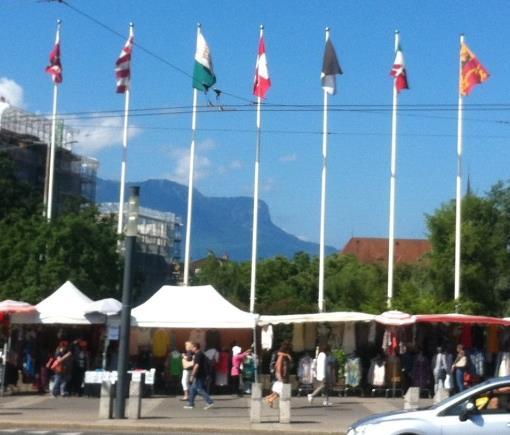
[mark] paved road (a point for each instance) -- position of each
(60, 432)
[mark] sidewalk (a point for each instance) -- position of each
(229, 415)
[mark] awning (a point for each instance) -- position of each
(339, 316)
(461, 318)
(9, 306)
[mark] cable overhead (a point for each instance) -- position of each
(151, 53)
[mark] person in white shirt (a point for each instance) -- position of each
(321, 375)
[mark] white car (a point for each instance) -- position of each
(482, 409)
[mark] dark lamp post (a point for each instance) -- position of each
(125, 320)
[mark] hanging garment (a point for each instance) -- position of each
(336, 335)
(197, 336)
(477, 362)
(393, 370)
(160, 343)
(310, 336)
(175, 363)
(503, 364)
(266, 337)
(222, 369)
(466, 337)
(298, 344)
(421, 373)
(493, 339)
(371, 333)
(353, 371)
(349, 339)
(144, 337)
(377, 372)
(305, 370)
(439, 370)
(133, 341)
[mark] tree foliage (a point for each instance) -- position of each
(37, 257)
(291, 285)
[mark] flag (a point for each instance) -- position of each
(203, 74)
(330, 68)
(55, 66)
(262, 80)
(399, 71)
(472, 72)
(123, 66)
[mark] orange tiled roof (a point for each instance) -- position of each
(374, 250)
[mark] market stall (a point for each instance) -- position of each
(7, 309)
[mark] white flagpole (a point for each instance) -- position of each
(393, 176)
(53, 138)
(323, 196)
(190, 182)
(458, 208)
(120, 220)
(255, 204)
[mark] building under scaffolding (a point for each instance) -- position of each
(158, 246)
(25, 137)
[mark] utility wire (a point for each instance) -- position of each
(150, 52)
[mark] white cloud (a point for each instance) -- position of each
(288, 158)
(95, 135)
(11, 91)
(268, 184)
(180, 173)
(235, 165)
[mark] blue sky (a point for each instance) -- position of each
(359, 146)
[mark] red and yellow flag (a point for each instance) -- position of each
(472, 71)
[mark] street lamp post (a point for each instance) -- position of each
(125, 321)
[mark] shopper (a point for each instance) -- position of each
(60, 364)
(198, 378)
(187, 366)
(281, 371)
(322, 375)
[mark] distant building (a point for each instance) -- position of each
(375, 250)
(25, 136)
(158, 246)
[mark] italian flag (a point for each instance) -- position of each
(203, 74)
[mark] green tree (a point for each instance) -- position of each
(37, 257)
(484, 254)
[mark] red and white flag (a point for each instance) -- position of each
(399, 71)
(123, 66)
(55, 66)
(262, 81)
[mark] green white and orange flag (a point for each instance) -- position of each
(203, 73)
(472, 72)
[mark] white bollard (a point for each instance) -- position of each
(256, 403)
(285, 403)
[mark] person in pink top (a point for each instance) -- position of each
(235, 371)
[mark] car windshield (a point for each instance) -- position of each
(455, 397)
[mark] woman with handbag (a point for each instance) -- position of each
(60, 365)
(281, 367)
(459, 367)
(187, 366)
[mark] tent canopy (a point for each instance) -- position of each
(108, 307)
(339, 316)
(461, 318)
(66, 305)
(395, 318)
(10, 306)
(190, 307)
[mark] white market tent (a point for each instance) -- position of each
(190, 307)
(66, 305)
(339, 316)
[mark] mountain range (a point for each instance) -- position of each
(222, 225)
